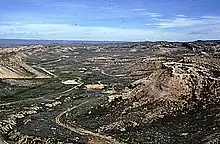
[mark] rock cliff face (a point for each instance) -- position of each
(13, 65)
(175, 87)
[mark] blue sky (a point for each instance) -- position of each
(114, 20)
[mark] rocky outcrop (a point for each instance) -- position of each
(177, 90)
(13, 65)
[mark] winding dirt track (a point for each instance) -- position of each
(93, 138)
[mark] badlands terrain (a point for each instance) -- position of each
(147, 92)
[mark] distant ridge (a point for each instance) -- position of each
(216, 41)
(26, 42)
(17, 42)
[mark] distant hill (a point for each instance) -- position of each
(213, 41)
(17, 42)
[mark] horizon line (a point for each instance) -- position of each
(81, 40)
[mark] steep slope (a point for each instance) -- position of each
(170, 105)
(13, 66)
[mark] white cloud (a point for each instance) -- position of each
(178, 22)
(138, 10)
(211, 17)
(70, 32)
(180, 15)
(204, 27)
(177, 29)
(187, 22)
(154, 15)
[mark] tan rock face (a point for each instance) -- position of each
(70, 82)
(95, 86)
(168, 94)
(174, 87)
(13, 66)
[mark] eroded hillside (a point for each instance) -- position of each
(157, 92)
